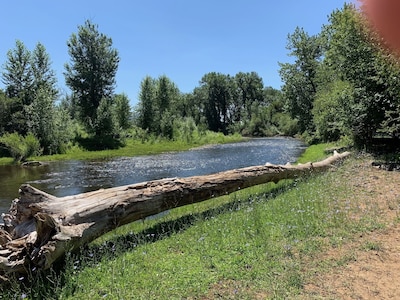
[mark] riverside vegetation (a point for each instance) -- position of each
(260, 243)
(135, 147)
(341, 83)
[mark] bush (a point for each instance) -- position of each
(19, 147)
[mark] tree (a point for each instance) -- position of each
(43, 74)
(218, 94)
(122, 111)
(331, 110)
(6, 110)
(91, 73)
(17, 75)
(41, 120)
(166, 98)
(105, 124)
(17, 78)
(146, 104)
(167, 94)
(353, 56)
(249, 91)
(300, 77)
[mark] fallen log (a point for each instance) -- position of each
(41, 228)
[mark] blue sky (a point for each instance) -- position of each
(182, 39)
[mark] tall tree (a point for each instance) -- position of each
(146, 104)
(17, 75)
(17, 78)
(167, 97)
(122, 111)
(91, 73)
(41, 119)
(218, 100)
(249, 91)
(300, 77)
(353, 56)
(43, 75)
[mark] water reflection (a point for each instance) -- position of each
(74, 177)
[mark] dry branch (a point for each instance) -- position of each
(41, 228)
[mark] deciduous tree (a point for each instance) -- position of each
(145, 112)
(91, 72)
(122, 111)
(300, 77)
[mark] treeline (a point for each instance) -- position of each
(222, 103)
(35, 119)
(343, 83)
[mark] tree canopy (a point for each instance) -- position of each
(91, 72)
(343, 82)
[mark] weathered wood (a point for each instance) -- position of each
(41, 228)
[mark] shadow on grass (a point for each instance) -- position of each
(125, 243)
(53, 282)
(97, 143)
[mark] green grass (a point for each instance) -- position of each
(6, 160)
(135, 147)
(247, 245)
(315, 153)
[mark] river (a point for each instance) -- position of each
(64, 178)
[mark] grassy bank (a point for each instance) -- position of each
(135, 147)
(258, 243)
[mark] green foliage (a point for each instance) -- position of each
(352, 56)
(167, 125)
(300, 77)
(285, 125)
(18, 80)
(40, 115)
(333, 110)
(19, 147)
(24, 74)
(17, 75)
(145, 111)
(44, 76)
(185, 130)
(122, 111)
(342, 83)
(91, 73)
(248, 91)
(218, 95)
(104, 124)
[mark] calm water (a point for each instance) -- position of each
(74, 177)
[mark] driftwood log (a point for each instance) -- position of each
(41, 228)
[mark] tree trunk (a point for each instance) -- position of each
(41, 228)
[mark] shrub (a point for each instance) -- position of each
(20, 147)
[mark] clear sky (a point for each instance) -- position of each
(182, 39)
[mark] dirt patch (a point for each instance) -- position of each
(367, 266)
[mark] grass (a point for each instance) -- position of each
(135, 147)
(317, 152)
(254, 244)
(6, 160)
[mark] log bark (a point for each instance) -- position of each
(41, 228)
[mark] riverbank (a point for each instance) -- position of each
(329, 236)
(135, 147)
